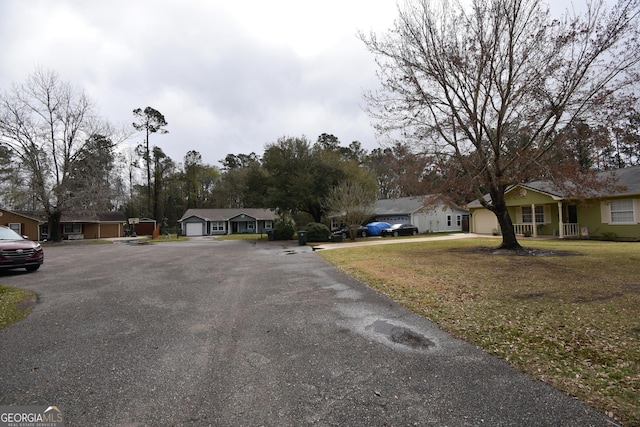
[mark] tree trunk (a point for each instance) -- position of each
(54, 225)
(499, 208)
(509, 240)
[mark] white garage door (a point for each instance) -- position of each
(194, 229)
(484, 221)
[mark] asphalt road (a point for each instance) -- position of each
(230, 333)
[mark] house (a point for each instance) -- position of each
(204, 222)
(419, 211)
(539, 209)
(73, 224)
(23, 223)
(92, 225)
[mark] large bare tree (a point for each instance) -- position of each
(53, 135)
(486, 87)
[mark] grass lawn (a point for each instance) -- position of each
(14, 304)
(572, 321)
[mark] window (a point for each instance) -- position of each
(459, 220)
(527, 216)
(448, 220)
(15, 227)
(268, 225)
(622, 211)
(217, 226)
(72, 229)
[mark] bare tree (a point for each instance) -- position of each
(50, 130)
(486, 87)
(353, 202)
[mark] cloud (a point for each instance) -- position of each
(229, 77)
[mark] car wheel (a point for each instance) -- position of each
(395, 234)
(415, 232)
(344, 235)
(32, 267)
(363, 234)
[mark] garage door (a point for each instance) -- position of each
(484, 221)
(194, 229)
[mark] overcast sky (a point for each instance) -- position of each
(229, 76)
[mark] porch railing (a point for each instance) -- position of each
(523, 229)
(571, 230)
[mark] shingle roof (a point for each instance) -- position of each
(400, 206)
(227, 214)
(627, 178)
(78, 216)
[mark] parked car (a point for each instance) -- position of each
(361, 231)
(19, 252)
(375, 228)
(400, 230)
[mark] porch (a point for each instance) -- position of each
(557, 219)
(568, 230)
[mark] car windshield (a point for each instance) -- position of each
(396, 226)
(9, 234)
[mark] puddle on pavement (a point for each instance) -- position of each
(401, 335)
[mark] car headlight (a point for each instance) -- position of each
(38, 247)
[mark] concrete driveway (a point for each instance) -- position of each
(230, 333)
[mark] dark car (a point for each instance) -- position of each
(361, 231)
(18, 252)
(400, 230)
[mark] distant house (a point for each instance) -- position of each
(92, 225)
(205, 222)
(73, 224)
(539, 209)
(428, 217)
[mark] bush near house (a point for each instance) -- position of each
(284, 229)
(317, 232)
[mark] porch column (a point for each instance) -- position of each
(560, 222)
(533, 221)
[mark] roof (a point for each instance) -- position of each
(399, 206)
(92, 216)
(28, 215)
(408, 205)
(627, 179)
(77, 216)
(227, 214)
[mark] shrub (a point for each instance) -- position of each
(317, 232)
(284, 229)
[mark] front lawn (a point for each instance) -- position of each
(570, 319)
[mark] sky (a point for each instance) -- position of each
(229, 76)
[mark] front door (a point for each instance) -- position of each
(572, 211)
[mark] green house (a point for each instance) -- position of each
(539, 209)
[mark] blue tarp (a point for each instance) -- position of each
(375, 228)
